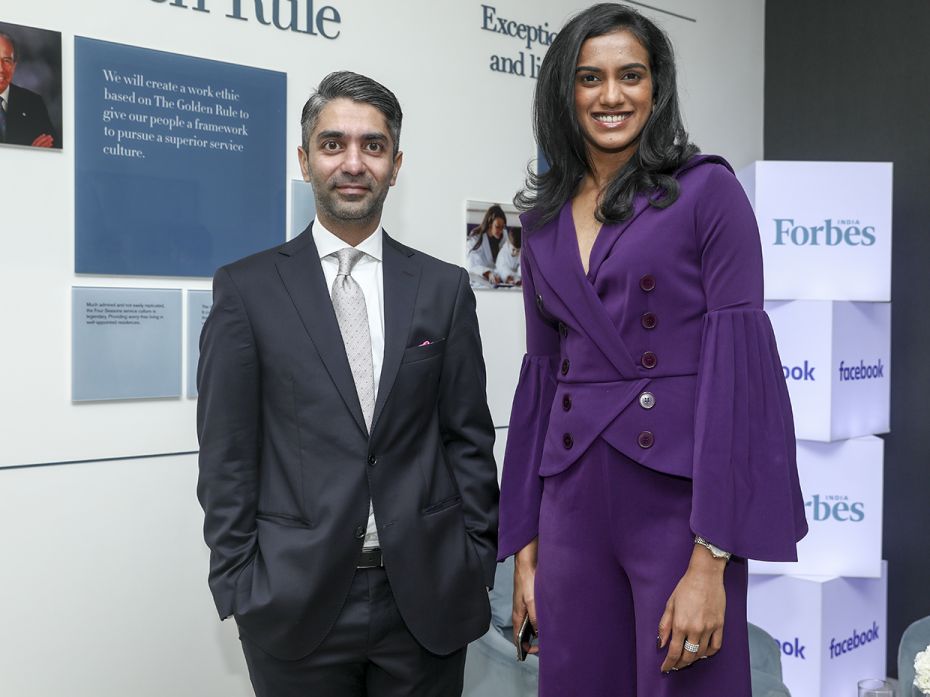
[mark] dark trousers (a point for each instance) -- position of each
(369, 652)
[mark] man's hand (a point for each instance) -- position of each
(524, 599)
(44, 141)
(694, 612)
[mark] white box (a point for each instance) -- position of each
(831, 631)
(836, 357)
(842, 487)
(825, 228)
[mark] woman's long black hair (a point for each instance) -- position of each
(490, 215)
(663, 144)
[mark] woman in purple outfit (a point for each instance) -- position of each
(651, 446)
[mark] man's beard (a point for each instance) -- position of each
(366, 208)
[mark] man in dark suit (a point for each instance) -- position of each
(346, 470)
(24, 120)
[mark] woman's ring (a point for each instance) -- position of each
(692, 648)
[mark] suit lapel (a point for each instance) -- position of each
(302, 274)
(555, 251)
(607, 237)
(401, 279)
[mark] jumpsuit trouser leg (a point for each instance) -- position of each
(614, 540)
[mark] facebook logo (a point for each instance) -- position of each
(794, 648)
(853, 642)
(803, 372)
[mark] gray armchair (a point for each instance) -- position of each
(765, 664)
(915, 639)
(491, 668)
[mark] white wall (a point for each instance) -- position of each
(103, 585)
(103, 578)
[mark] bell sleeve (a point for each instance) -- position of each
(521, 485)
(746, 494)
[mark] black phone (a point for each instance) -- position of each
(525, 637)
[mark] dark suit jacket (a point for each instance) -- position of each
(287, 467)
(27, 118)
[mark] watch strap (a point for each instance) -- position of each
(714, 549)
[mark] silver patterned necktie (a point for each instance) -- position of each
(352, 315)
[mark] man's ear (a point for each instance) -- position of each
(398, 161)
(304, 160)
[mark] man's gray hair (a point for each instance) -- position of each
(358, 88)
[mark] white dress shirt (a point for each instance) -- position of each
(370, 277)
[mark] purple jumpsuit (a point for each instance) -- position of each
(651, 407)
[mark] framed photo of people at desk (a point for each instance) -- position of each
(492, 245)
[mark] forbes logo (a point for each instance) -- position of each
(855, 641)
(830, 234)
(835, 507)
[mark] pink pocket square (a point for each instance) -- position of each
(425, 343)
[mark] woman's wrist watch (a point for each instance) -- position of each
(714, 549)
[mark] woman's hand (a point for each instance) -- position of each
(524, 599)
(694, 612)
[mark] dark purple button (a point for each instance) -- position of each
(567, 402)
(649, 320)
(539, 302)
(567, 441)
(564, 368)
(645, 439)
(647, 282)
(648, 360)
(563, 330)
(360, 532)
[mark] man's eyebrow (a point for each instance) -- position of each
(374, 135)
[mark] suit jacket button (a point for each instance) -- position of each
(568, 441)
(648, 360)
(539, 302)
(647, 282)
(567, 402)
(563, 330)
(649, 320)
(645, 439)
(565, 365)
(360, 532)
(647, 400)
(372, 460)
